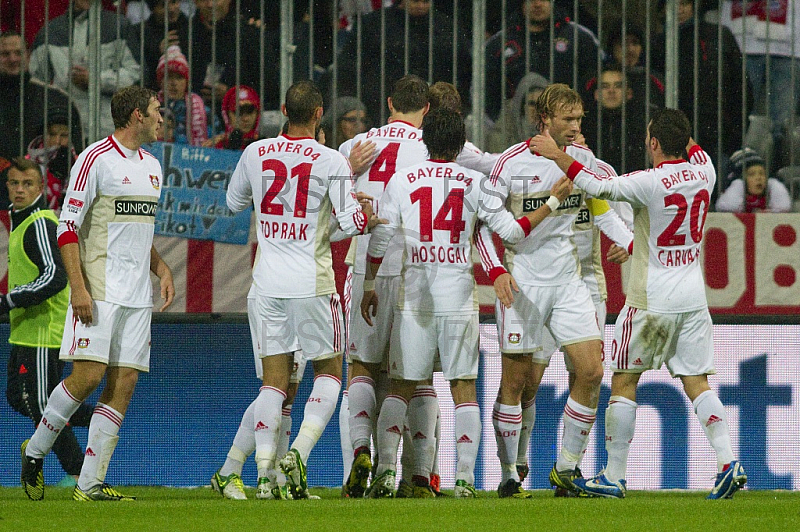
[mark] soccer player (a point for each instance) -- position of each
(437, 203)
(595, 215)
(295, 184)
(398, 144)
(37, 303)
(227, 480)
(665, 319)
(553, 296)
(106, 238)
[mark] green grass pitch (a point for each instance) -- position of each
(177, 509)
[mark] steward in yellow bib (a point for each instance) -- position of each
(37, 305)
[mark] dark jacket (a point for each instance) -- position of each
(204, 46)
(608, 146)
(731, 88)
(153, 35)
(512, 50)
(34, 114)
(442, 68)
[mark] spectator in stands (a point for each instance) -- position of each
(733, 99)
(773, 43)
(13, 65)
(632, 57)
(517, 121)
(241, 128)
(751, 190)
(606, 109)
(66, 67)
(151, 33)
(442, 68)
(535, 21)
(349, 121)
(55, 156)
(187, 108)
(216, 29)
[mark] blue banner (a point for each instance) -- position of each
(193, 197)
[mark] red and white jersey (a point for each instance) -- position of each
(295, 184)
(110, 211)
(548, 256)
(476, 159)
(670, 204)
(436, 204)
(399, 144)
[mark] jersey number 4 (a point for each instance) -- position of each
(447, 219)
(384, 166)
(697, 219)
(302, 172)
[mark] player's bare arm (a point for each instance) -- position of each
(162, 271)
(79, 297)
(362, 156)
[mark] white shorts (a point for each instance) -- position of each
(118, 336)
(313, 324)
(645, 340)
(566, 310)
(416, 337)
(550, 347)
(364, 343)
(255, 335)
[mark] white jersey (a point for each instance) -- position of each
(670, 204)
(548, 257)
(436, 204)
(109, 210)
(295, 184)
(474, 158)
(615, 219)
(399, 144)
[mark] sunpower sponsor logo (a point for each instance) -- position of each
(573, 201)
(135, 208)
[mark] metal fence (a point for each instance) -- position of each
(736, 81)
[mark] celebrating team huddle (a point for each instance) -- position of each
(422, 200)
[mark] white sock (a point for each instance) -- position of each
(319, 409)
(283, 440)
(408, 458)
(468, 439)
(103, 430)
(267, 425)
(578, 421)
(422, 410)
(620, 427)
(363, 408)
(528, 421)
(390, 428)
(244, 443)
(507, 422)
(344, 436)
(60, 406)
(714, 421)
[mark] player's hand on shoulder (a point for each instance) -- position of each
(544, 145)
(362, 155)
(562, 188)
(504, 288)
(617, 254)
